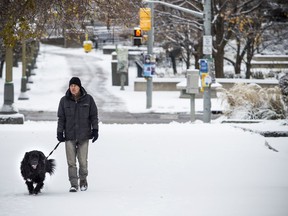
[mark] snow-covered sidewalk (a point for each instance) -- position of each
(162, 170)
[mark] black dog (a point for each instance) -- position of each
(33, 169)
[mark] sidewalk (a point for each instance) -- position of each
(152, 170)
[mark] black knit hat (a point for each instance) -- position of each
(76, 81)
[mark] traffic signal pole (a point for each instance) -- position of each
(149, 85)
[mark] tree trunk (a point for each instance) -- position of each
(237, 66)
(9, 64)
(197, 55)
(173, 60)
(250, 53)
(219, 63)
(1, 68)
(248, 70)
(188, 61)
(219, 45)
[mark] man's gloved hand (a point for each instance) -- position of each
(60, 137)
(94, 135)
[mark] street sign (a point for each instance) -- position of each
(203, 66)
(145, 13)
(145, 19)
(145, 24)
(207, 45)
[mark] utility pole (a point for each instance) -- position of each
(208, 56)
(149, 87)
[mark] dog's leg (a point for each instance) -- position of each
(38, 187)
(30, 186)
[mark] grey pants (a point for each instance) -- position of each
(79, 150)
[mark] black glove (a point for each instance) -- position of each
(94, 135)
(60, 137)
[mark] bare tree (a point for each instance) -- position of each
(223, 11)
(120, 12)
(247, 32)
(224, 14)
(249, 25)
(180, 31)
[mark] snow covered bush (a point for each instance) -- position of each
(251, 101)
(257, 75)
(283, 83)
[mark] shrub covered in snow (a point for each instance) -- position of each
(251, 101)
(283, 83)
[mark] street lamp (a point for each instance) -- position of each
(206, 15)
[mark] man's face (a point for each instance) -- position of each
(74, 89)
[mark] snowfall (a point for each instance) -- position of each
(175, 169)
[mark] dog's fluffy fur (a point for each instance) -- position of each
(34, 167)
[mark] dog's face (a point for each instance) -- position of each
(34, 158)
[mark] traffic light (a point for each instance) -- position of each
(137, 32)
(137, 39)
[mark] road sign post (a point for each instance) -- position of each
(149, 86)
(207, 42)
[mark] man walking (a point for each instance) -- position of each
(77, 123)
